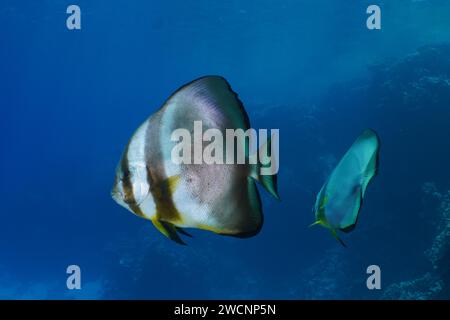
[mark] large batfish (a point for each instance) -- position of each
(221, 198)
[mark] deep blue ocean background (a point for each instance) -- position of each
(70, 101)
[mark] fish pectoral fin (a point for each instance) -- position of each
(332, 230)
(172, 183)
(315, 223)
(168, 229)
(334, 233)
(324, 202)
(168, 185)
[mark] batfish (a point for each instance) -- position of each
(222, 198)
(340, 199)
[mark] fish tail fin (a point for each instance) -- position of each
(336, 236)
(268, 181)
(270, 184)
(167, 229)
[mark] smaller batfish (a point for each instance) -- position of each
(339, 201)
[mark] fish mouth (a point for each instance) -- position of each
(114, 192)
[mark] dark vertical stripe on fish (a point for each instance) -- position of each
(128, 186)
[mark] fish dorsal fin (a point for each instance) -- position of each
(210, 99)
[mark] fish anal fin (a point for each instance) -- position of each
(167, 229)
(211, 229)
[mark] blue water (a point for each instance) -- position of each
(70, 101)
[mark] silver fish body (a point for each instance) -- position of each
(222, 198)
(340, 199)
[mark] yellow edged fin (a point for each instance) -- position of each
(167, 229)
(332, 230)
(172, 183)
(315, 223)
(160, 227)
(324, 202)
